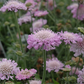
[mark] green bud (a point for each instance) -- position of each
(10, 51)
(17, 45)
(28, 4)
(12, 25)
(66, 69)
(61, 4)
(46, 26)
(6, 23)
(19, 53)
(81, 29)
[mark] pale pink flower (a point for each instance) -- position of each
(80, 78)
(7, 69)
(44, 39)
(25, 19)
(37, 25)
(54, 65)
(35, 82)
(68, 66)
(25, 74)
(40, 13)
(78, 47)
(74, 70)
(50, 5)
(69, 37)
(13, 5)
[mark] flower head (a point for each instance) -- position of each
(38, 24)
(40, 13)
(24, 19)
(35, 82)
(80, 78)
(43, 39)
(50, 4)
(69, 37)
(78, 47)
(74, 71)
(7, 69)
(13, 5)
(25, 74)
(54, 64)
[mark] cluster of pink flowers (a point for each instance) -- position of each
(40, 13)
(78, 47)
(54, 65)
(13, 5)
(7, 69)
(43, 39)
(25, 74)
(69, 37)
(80, 78)
(37, 25)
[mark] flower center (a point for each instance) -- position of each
(12, 3)
(37, 24)
(44, 34)
(25, 72)
(5, 68)
(54, 64)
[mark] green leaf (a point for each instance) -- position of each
(55, 82)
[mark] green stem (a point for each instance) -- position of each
(44, 69)
(10, 32)
(18, 32)
(4, 81)
(67, 78)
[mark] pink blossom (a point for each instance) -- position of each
(54, 65)
(25, 74)
(25, 19)
(80, 78)
(44, 39)
(40, 13)
(78, 47)
(36, 25)
(69, 37)
(7, 69)
(50, 5)
(68, 66)
(13, 5)
(35, 82)
(74, 70)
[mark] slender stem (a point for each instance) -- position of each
(18, 32)
(10, 32)
(44, 69)
(41, 4)
(4, 82)
(67, 78)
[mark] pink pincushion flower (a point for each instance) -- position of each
(35, 82)
(43, 39)
(80, 78)
(13, 5)
(54, 65)
(40, 13)
(50, 4)
(7, 69)
(69, 37)
(78, 47)
(25, 74)
(68, 66)
(38, 24)
(24, 19)
(72, 6)
(74, 70)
